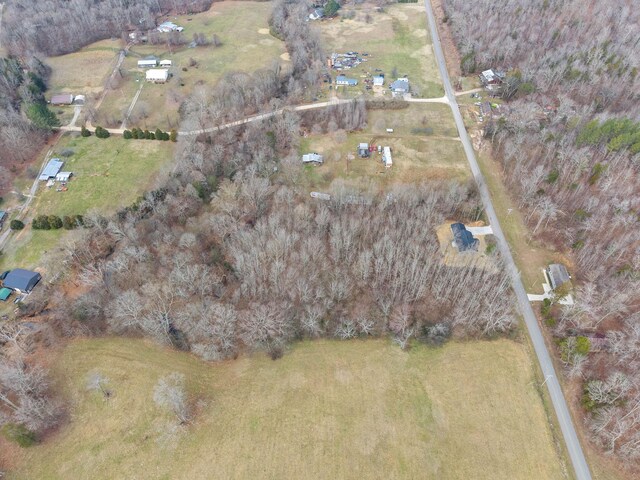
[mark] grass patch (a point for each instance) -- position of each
(360, 409)
(107, 174)
(83, 71)
(397, 37)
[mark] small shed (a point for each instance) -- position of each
(157, 75)
(349, 82)
(386, 157)
(463, 238)
(79, 100)
(312, 158)
(4, 294)
(363, 150)
(21, 280)
(63, 176)
(378, 80)
(166, 63)
(558, 275)
(52, 169)
(62, 99)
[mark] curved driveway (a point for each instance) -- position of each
(555, 391)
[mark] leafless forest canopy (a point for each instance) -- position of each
(55, 27)
(568, 152)
(232, 254)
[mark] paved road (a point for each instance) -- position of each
(551, 381)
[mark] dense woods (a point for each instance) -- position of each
(569, 145)
(22, 86)
(56, 27)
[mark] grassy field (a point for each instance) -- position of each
(396, 38)
(107, 174)
(243, 29)
(424, 146)
(349, 410)
(84, 71)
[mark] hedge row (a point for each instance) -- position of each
(54, 222)
(137, 133)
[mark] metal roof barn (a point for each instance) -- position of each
(52, 169)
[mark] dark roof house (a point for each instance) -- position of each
(62, 99)
(21, 280)
(463, 238)
(558, 275)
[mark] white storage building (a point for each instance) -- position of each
(157, 75)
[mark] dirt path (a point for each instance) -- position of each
(131, 107)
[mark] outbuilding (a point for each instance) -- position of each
(363, 150)
(166, 63)
(148, 62)
(21, 280)
(63, 176)
(4, 294)
(157, 75)
(52, 169)
(3, 216)
(378, 80)
(312, 158)
(62, 99)
(386, 157)
(463, 238)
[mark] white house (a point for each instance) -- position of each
(312, 158)
(386, 157)
(166, 27)
(148, 63)
(342, 80)
(157, 75)
(165, 63)
(63, 176)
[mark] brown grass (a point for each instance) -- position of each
(328, 409)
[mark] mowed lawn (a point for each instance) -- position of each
(396, 38)
(108, 174)
(246, 46)
(327, 410)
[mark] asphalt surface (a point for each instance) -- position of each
(576, 454)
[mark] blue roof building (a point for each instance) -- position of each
(21, 280)
(463, 238)
(52, 169)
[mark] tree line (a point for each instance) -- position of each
(569, 149)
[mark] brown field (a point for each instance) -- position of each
(327, 410)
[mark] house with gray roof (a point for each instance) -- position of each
(558, 275)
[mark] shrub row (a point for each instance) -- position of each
(54, 222)
(137, 133)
